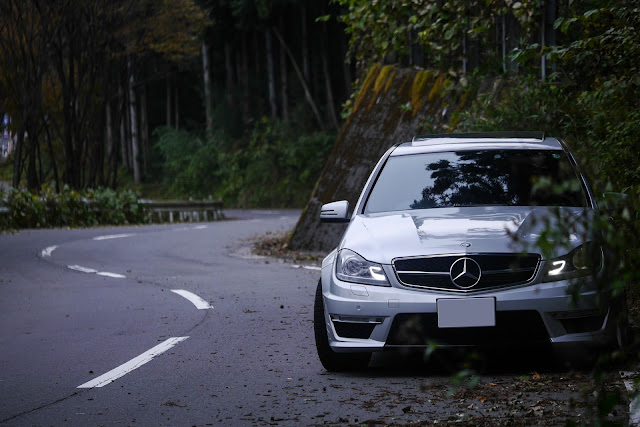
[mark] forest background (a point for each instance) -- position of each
(242, 99)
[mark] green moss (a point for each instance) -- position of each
(390, 81)
(381, 80)
(455, 120)
(366, 86)
(437, 89)
(418, 90)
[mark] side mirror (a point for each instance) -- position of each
(335, 212)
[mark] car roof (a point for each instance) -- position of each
(478, 141)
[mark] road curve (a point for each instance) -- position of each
(172, 324)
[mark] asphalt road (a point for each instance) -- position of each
(92, 332)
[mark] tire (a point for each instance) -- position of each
(332, 361)
(623, 336)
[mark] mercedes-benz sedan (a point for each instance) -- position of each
(443, 247)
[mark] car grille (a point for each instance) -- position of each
(419, 329)
(497, 270)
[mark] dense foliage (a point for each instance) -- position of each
(273, 165)
(571, 72)
(69, 208)
(87, 82)
(445, 34)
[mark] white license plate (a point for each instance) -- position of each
(466, 312)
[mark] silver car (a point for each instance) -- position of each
(443, 247)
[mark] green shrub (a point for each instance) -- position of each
(70, 208)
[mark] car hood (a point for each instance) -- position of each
(383, 237)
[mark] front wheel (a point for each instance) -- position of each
(331, 360)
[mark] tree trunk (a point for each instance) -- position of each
(32, 175)
(504, 43)
(207, 89)
(306, 71)
(52, 154)
(242, 67)
(228, 62)
(169, 89)
(137, 178)
(258, 104)
(176, 106)
(464, 54)
(284, 83)
(17, 157)
(123, 128)
(109, 138)
(548, 34)
(271, 74)
(144, 130)
(296, 68)
(327, 77)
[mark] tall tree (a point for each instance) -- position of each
(208, 94)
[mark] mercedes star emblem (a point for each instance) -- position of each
(465, 273)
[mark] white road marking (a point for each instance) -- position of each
(265, 212)
(113, 236)
(48, 251)
(199, 227)
(634, 404)
(92, 271)
(307, 267)
(114, 275)
(134, 363)
(193, 298)
(82, 269)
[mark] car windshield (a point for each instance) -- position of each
(476, 178)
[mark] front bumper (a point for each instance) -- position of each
(372, 318)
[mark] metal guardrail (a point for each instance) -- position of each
(183, 210)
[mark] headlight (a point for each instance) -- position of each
(351, 267)
(580, 262)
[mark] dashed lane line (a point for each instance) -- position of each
(197, 227)
(93, 271)
(48, 251)
(134, 363)
(193, 298)
(113, 275)
(82, 269)
(113, 236)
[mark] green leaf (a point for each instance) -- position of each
(590, 13)
(448, 35)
